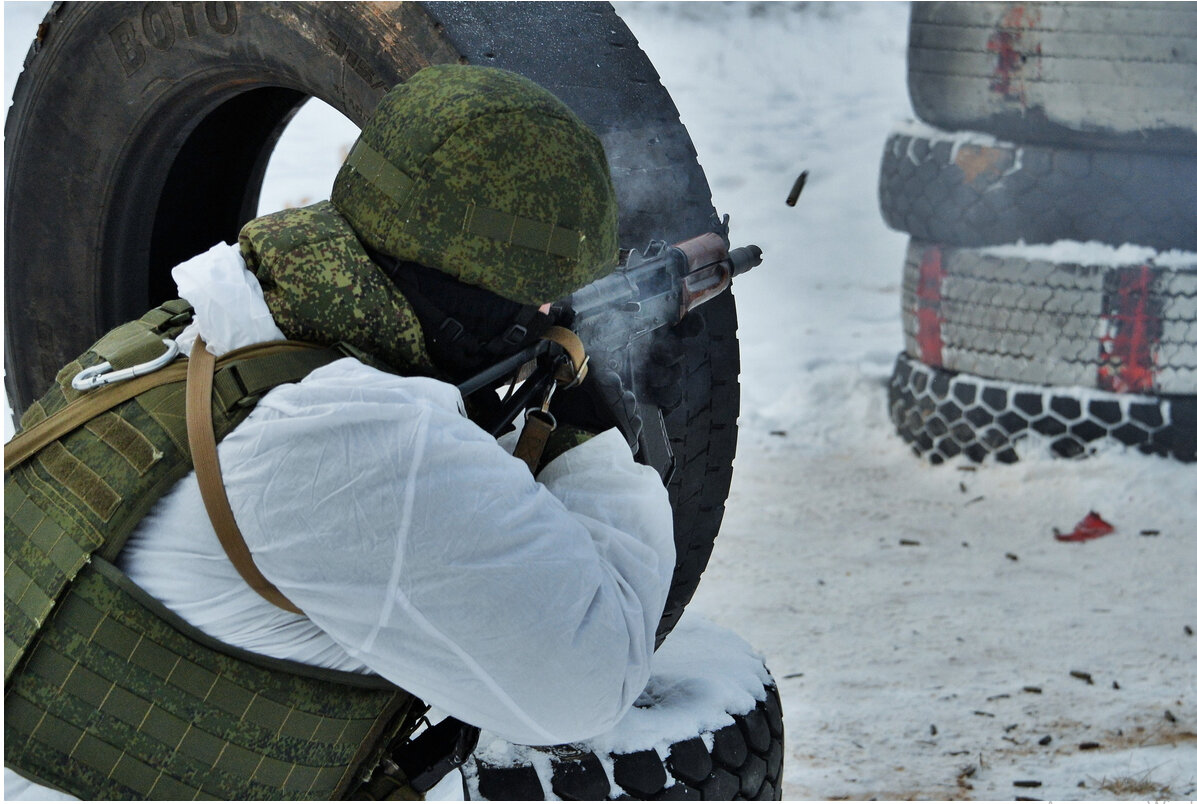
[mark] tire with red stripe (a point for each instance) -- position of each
(970, 190)
(1123, 325)
(1097, 75)
(944, 415)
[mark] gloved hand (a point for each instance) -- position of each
(620, 402)
(602, 401)
(660, 373)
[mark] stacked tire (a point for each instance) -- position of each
(1049, 189)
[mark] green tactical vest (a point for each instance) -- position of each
(108, 694)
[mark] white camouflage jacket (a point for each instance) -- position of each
(418, 547)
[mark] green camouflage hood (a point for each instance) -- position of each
(485, 176)
(321, 286)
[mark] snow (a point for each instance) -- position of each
(1071, 252)
(912, 127)
(701, 674)
(907, 611)
(875, 640)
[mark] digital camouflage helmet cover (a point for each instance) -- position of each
(485, 176)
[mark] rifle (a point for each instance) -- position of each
(613, 316)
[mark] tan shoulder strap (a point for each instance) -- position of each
(202, 439)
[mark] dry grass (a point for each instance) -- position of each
(1139, 786)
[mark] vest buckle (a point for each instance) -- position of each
(451, 330)
(515, 334)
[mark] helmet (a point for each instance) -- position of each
(481, 174)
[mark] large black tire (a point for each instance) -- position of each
(1129, 327)
(139, 135)
(1096, 75)
(944, 414)
(953, 189)
(737, 755)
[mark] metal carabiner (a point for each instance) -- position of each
(98, 375)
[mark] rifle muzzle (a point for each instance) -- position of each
(744, 259)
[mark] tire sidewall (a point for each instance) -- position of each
(1109, 75)
(118, 102)
(954, 189)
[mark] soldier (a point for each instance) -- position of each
(392, 553)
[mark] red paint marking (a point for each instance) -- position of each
(1091, 527)
(1007, 42)
(1008, 62)
(1130, 345)
(927, 305)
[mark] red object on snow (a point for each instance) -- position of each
(1091, 527)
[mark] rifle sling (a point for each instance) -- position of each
(540, 424)
(201, 438)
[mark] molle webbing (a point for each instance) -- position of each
(127, 701)
(107, 693)
(85, 491)
(64, 502)
(166, 321)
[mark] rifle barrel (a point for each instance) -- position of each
(744, 259)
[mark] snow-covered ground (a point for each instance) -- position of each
(907, 609)
(927, 632)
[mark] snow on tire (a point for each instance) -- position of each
(707, 727)
(174, 110)
(1069, 314)
(967, 189)
(1103, 75)
(943, 414)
